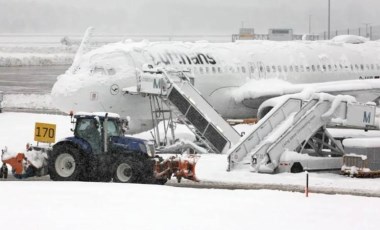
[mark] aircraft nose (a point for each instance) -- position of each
(63, 91)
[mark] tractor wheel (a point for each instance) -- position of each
(126, 170)
(65, 164)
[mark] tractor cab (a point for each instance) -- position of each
(97, 129)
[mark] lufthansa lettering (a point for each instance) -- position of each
(168, 58)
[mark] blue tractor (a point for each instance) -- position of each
(99, 151)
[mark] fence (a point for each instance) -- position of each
(371, 32)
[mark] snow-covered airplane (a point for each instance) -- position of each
(236, 78)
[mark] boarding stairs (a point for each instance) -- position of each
(294, 124)
(180, 96)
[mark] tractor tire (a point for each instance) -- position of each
(65, 164)
(126, 170)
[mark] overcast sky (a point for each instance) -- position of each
(182, 16)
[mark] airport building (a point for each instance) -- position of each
(274, 34)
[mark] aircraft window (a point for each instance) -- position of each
(279, 69)
(291, 68)
(301, 68)
(252, 69)
(207, 70)
(329, 66)
(274, 69)
(97, 70)
(362, 67)
(313, 68)
(372, 67)
(111, 71)
(213, 69)
(308, 68)
(324, 67)
(243, 69)
(238, 69)
(367, 66)
(318, 67)
(200, 70)
(335, 67)
(296, 68)
(378, 66)
(340, 66)
(352, 67)
(356, 66)
(268, 69)
(232, 69)
(219, 69)
(261, 69)
(285, 68)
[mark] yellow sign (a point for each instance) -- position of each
(44, 132)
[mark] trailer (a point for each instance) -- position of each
(98, 151)
(362, 158)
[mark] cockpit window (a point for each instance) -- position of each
(110, 63)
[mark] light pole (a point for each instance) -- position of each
(309, 23)
(328, 22)
(366, 29)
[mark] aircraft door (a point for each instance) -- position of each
(261, 70)
(253, 70)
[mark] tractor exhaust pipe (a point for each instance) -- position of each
(105, 133)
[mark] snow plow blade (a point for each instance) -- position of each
(17, 163)
(177, 167)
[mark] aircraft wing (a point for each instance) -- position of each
(255, 92)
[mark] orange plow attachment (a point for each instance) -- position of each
(178, 167)
(16, 162)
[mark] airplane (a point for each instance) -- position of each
(239, 79)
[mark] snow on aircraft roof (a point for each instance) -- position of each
(270, 87)
(370, 142)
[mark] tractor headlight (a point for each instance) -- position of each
(150, 148)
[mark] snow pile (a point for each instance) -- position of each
(36, 158)
(181, 133)
(353, 39)
(28, 49)
(182, 146)
(29, 101)
(29, 59)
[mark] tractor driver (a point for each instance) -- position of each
(91, 134)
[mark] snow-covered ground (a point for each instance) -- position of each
(74, 205)
(17, 129)
(59, 205)
(29, 55)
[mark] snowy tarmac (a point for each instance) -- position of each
(225, 202)
(29, 79)
(17, 129)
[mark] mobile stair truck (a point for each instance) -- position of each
(98, 151)
(292, 137)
